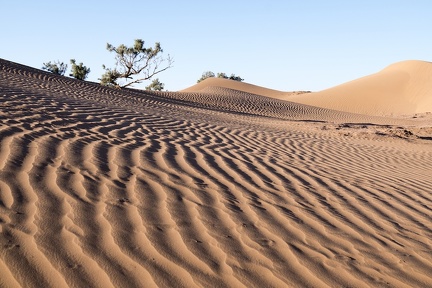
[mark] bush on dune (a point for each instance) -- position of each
(135, 64)
(210, 74)
(80, 71)
(56, 67)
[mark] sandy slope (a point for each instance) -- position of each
(208, 84)
(218, 188)
(401, 88)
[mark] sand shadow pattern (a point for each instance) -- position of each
(101, 187)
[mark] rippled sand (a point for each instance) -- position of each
(214, 188)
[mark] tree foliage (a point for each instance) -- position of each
(235, 78)
(56, 67)
(210, 74)
(205, 75)
(79, 71)
(156, 85)
(135, 64)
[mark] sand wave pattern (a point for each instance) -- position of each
(110, 188)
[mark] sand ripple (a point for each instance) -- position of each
(109, 188)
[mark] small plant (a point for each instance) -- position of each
(156, 85)
(205, 75)
(80, 71)
(136, 61)
(57, 67)
(210, 74)
(235, 78)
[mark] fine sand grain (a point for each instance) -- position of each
(221, 185)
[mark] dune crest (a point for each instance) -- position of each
(208, 85)
(104, 187)
(400, 89)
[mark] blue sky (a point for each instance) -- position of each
(285, 45)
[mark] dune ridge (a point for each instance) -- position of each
(402, 88)
(207, 84)
(121, 188)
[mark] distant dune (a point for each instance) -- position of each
(400, 89)
(223, 184)
(209, 84)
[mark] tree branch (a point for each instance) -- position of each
(135, 61)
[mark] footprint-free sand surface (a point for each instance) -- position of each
(224, 184)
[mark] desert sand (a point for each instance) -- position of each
(224, 184)
(402, 88)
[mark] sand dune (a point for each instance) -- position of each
(209, 84)
(401, 88)
(217, 188)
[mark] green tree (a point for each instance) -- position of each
(57, 67)
(156, 85)
(205, 75)
(135, 64)
(235, 78)
(210, 74)
(222, 75)
(109, 78)
(80, 71)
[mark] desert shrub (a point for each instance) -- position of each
(156, 85)
(56, 67)
(79, 71)
(210, 74)
(135, 64)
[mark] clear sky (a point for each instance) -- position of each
(281, 44)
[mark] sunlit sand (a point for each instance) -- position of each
(223, 184)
